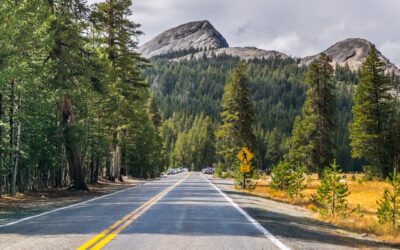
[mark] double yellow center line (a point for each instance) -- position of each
(100, 240)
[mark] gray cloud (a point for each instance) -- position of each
(296, 27)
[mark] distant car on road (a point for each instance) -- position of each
(207, 170)
(171, 171)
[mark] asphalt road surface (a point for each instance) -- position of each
(184, 211)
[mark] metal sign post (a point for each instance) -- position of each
(245, 156)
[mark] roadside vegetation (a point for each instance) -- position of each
(361, 213)
(367, 203)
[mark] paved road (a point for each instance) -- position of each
(184, 211)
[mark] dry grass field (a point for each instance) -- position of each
(362, 203)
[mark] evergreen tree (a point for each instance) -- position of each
(69, 62)
(389, 206)
(287, 178)
(312, 136)
(331, 194)
(154, 113)
(115, 32)
(275, 149)
(237, 118)
(369, 130)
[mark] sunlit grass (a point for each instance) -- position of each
(362, 203)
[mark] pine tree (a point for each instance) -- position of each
(369, 128)
(115, 32)
(312, 136)
(69, 63)
(237, 118)
(154, 113)
(274, 152)
(389, 206)
(287, 178)
(331, 194)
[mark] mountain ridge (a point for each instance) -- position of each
(200, 38)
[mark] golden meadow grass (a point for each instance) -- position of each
(362, 203)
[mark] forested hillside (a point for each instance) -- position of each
(191, 88)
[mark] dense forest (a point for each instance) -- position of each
(189, 89)
(73, 105)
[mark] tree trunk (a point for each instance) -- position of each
(123, 155)
(1, 144)
(12, 138)
(117, 158)
(16, 160)
(68, 123)
(97, 169)
(108, 167)
(93, 172)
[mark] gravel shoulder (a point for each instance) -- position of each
(297, 226)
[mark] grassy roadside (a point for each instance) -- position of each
(26, 204)
(362, 203)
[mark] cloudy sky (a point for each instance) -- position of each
(296, 27)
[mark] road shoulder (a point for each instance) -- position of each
(34, 203)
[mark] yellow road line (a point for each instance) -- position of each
(108, 234)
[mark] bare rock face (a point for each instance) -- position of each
(196, 35)
(352, 52)
(245, 53)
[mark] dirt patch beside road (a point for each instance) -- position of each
(30, 203)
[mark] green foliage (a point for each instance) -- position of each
(69, 95)
(332, 193)
(312, 140)
(188, 141)
(370, 129)
(287, 178)
(237, 115)
(275, 147)
(219, 170)
(370, 173)
(389, 206)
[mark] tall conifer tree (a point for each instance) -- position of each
(68, 64)
(312, 136)
(370, 130)
(237, 118)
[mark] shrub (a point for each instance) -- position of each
(288, 179)
(389, 206)
(331, 194)
(370, 173)
(218, 170)
(250, 183)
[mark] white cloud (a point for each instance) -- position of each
(285, 43)
(391, 48)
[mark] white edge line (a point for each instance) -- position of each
(70, 206)
(262, 229)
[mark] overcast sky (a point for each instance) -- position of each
(295, 27)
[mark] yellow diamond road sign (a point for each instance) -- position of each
(245, 155)
(245, 168)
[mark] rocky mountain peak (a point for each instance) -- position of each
(352, 52)
(194, 35)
